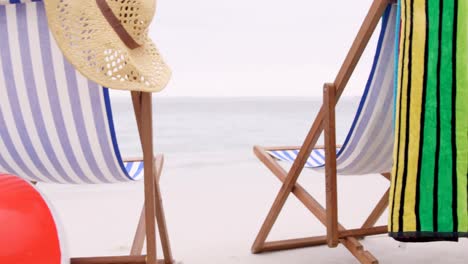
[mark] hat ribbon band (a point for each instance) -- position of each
(116, 25)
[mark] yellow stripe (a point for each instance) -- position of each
(397, 129)
(417, 81)
(403, 109)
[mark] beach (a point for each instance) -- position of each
(216, 193)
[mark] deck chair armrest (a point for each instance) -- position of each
(132, 159)
(140, 158)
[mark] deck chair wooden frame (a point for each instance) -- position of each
(325, 121)
(146, 225)
(31, 61)
(153, 211)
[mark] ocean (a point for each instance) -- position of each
(230, 125)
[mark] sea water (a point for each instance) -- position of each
(225, 129)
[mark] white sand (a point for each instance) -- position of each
(214, 207)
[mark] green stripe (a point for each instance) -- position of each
(430, 122)
(462, 114)
(445, 216)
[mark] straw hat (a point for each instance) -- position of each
(107, 41)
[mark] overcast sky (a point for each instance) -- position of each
(258, 47)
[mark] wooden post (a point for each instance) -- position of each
(150, 195)
(142, 103)
(160, 215)
(140, 234)
(330, 165)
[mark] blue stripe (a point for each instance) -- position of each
(52, 92)
(286, 153)
(307, 162)
(76, 106)
(51, 89)
(276, 156)
(381, 166)
(128, 166)
(397, 50)
(7, 140)
(369, 81)
(3, 129)
(280, 156)
(316, 161)
(97, 98)
(96, 103)
(31, 86)
(286, 156)
(375, 91)
(312, 158)
(110, 121)
(140, 168)
(319, 153)
(382, 145)
(10, 85)
(20, 1)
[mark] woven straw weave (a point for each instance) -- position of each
(93, 47)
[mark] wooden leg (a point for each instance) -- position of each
(387, 175)
(136, 256)
(113, 260)
(378, 211)
(380, 208)
(160, 216)
(147, 224)
(330, 166)
(158, 163)
(270, 219)
(142, 104)
(139, 239)
(140, 235)
(351, 243)
(110, 260)
(149, 177)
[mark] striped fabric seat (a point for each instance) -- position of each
(369, 144)
(57, 126)
(7, 2)
(316, 158)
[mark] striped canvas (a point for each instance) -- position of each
(316, 158)
(56, 126)
(369, 143)
(429, 199)
(7, 2)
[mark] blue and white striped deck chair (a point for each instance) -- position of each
(56, 126)
(367, 148)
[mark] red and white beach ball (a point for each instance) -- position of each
(28, 230)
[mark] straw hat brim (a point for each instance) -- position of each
(93, 47)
